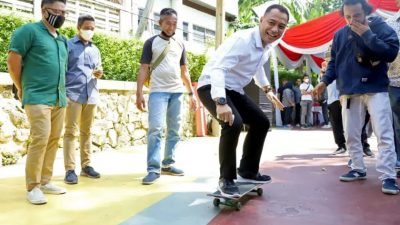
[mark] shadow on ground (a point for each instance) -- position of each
(306, 190)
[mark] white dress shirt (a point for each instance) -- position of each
(333, 93)
(240, 58)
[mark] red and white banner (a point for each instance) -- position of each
(309, 41)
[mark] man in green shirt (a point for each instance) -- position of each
(37, 63)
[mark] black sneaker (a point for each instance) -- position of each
(367, 151)
(228, 188)
(70, 177)
(88, 171)
(340, 150)
(390, 187)
(353, 175)
(256, 179)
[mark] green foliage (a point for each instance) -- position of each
(291, 75)
(196, 64)
(247, 17)
(120, 57)
(8, 24)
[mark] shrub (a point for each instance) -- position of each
(8, 24)
(291, 75)
(196, 64)
(120, 57)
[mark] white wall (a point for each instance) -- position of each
(230, 6)
(192, 17)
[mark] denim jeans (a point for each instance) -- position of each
(394, 94)
(163, 107)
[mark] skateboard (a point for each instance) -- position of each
(244, 189)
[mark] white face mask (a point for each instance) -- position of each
(87, 34)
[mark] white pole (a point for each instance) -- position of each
(278, 119)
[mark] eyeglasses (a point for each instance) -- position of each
(58, 12)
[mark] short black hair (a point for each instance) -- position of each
(168, 12)
(367, 8)
(305, 75)
(83, 18)
(281, 9)
(44, 2)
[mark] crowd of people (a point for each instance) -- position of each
(56, 81)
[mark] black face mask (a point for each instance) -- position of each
(166, 35)
(55, 20)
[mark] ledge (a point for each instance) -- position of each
(5, 80)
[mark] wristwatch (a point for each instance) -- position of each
(267, 89)
(220, 101)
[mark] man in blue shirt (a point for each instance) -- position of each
(84, 68)
(359, 57)
(236, 62)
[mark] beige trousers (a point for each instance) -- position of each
(78, 119)
(46, 127)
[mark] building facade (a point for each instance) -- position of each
(196, 24)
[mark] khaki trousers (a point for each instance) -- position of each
(46, 127)
(78, 119)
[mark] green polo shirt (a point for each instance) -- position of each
(44, 63)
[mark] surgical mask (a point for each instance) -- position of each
(87, 34)
(55, 20)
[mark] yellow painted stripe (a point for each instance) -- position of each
(109, 200)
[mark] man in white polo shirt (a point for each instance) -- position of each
(166, 94)
(306, 102)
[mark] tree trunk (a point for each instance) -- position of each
(143, 20)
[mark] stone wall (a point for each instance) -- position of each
(118, 123)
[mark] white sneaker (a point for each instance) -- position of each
(328, 126)
(36, 197)
(50, 188)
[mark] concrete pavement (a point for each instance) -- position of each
(305, 188)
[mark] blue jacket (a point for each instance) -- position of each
(380, 43)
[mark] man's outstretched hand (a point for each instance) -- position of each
(275, 100)
(319, 90)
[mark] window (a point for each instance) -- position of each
(141, 11)
(156, 26)
(202, 35)
(185, 31)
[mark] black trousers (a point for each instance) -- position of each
(297, 114)
(287, 115)
(245, 112)
(335, 116)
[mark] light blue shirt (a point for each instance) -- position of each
(240, 58)
(82, 60)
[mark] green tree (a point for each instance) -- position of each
(247, 17)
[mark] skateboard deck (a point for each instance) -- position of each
(244, 189)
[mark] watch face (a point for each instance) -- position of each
(221, 101)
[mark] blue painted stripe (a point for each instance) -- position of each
(181, 208)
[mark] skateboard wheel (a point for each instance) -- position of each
(238, 206)
(216, 202)
(260, 191)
